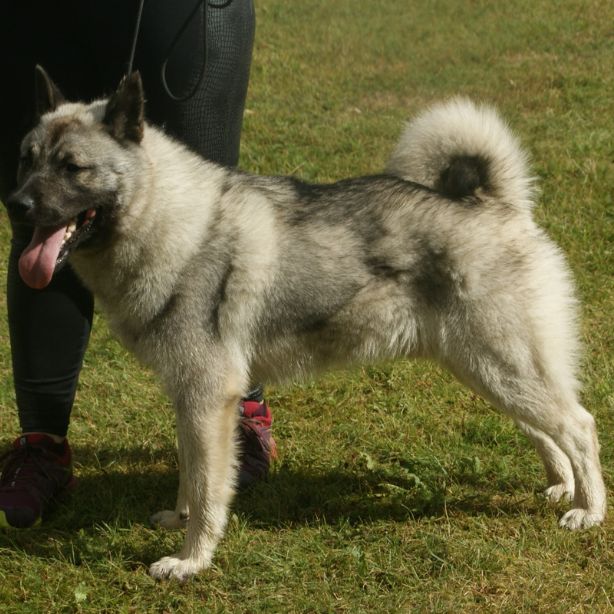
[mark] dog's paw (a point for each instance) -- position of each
(559, 492)
(169, 519)
(580, 519)
(176, 568)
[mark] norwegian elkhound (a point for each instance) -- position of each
(437, 257)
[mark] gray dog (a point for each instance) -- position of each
(439, 257)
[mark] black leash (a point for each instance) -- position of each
(135, 37)
(172, 46)
(163, 69)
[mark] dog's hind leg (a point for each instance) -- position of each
(575, 433)
(206, 431)
(573, 430)
(558, 467)
(506, 370)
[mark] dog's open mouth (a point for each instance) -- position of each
(50, 246)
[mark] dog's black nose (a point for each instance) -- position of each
(19, 205)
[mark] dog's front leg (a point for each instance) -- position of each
(177, 518)
(207, 444)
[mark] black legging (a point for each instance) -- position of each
(84, 46)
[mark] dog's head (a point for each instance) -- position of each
(78, 166)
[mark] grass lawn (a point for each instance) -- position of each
(397, 490)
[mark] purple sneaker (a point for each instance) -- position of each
(257, 444)
(36, 470)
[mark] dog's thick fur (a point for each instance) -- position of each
(216, 278)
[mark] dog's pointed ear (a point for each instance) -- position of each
(47, 95)
(125, 115)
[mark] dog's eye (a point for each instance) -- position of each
(71, 167)
(25, 160)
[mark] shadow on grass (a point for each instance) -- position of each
(115, 499)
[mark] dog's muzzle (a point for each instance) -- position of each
(19, 207)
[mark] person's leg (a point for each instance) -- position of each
(209, 113)
(49, 329)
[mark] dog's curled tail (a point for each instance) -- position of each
(462, 149)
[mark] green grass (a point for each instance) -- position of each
(396, 490)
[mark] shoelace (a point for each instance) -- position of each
(25, 465)
(257, 440)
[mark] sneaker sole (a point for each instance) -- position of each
(5, 524)
(63, 494)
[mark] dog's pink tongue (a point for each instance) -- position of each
(37, 263)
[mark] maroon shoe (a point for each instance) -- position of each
(258, 447)
(36, 470)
